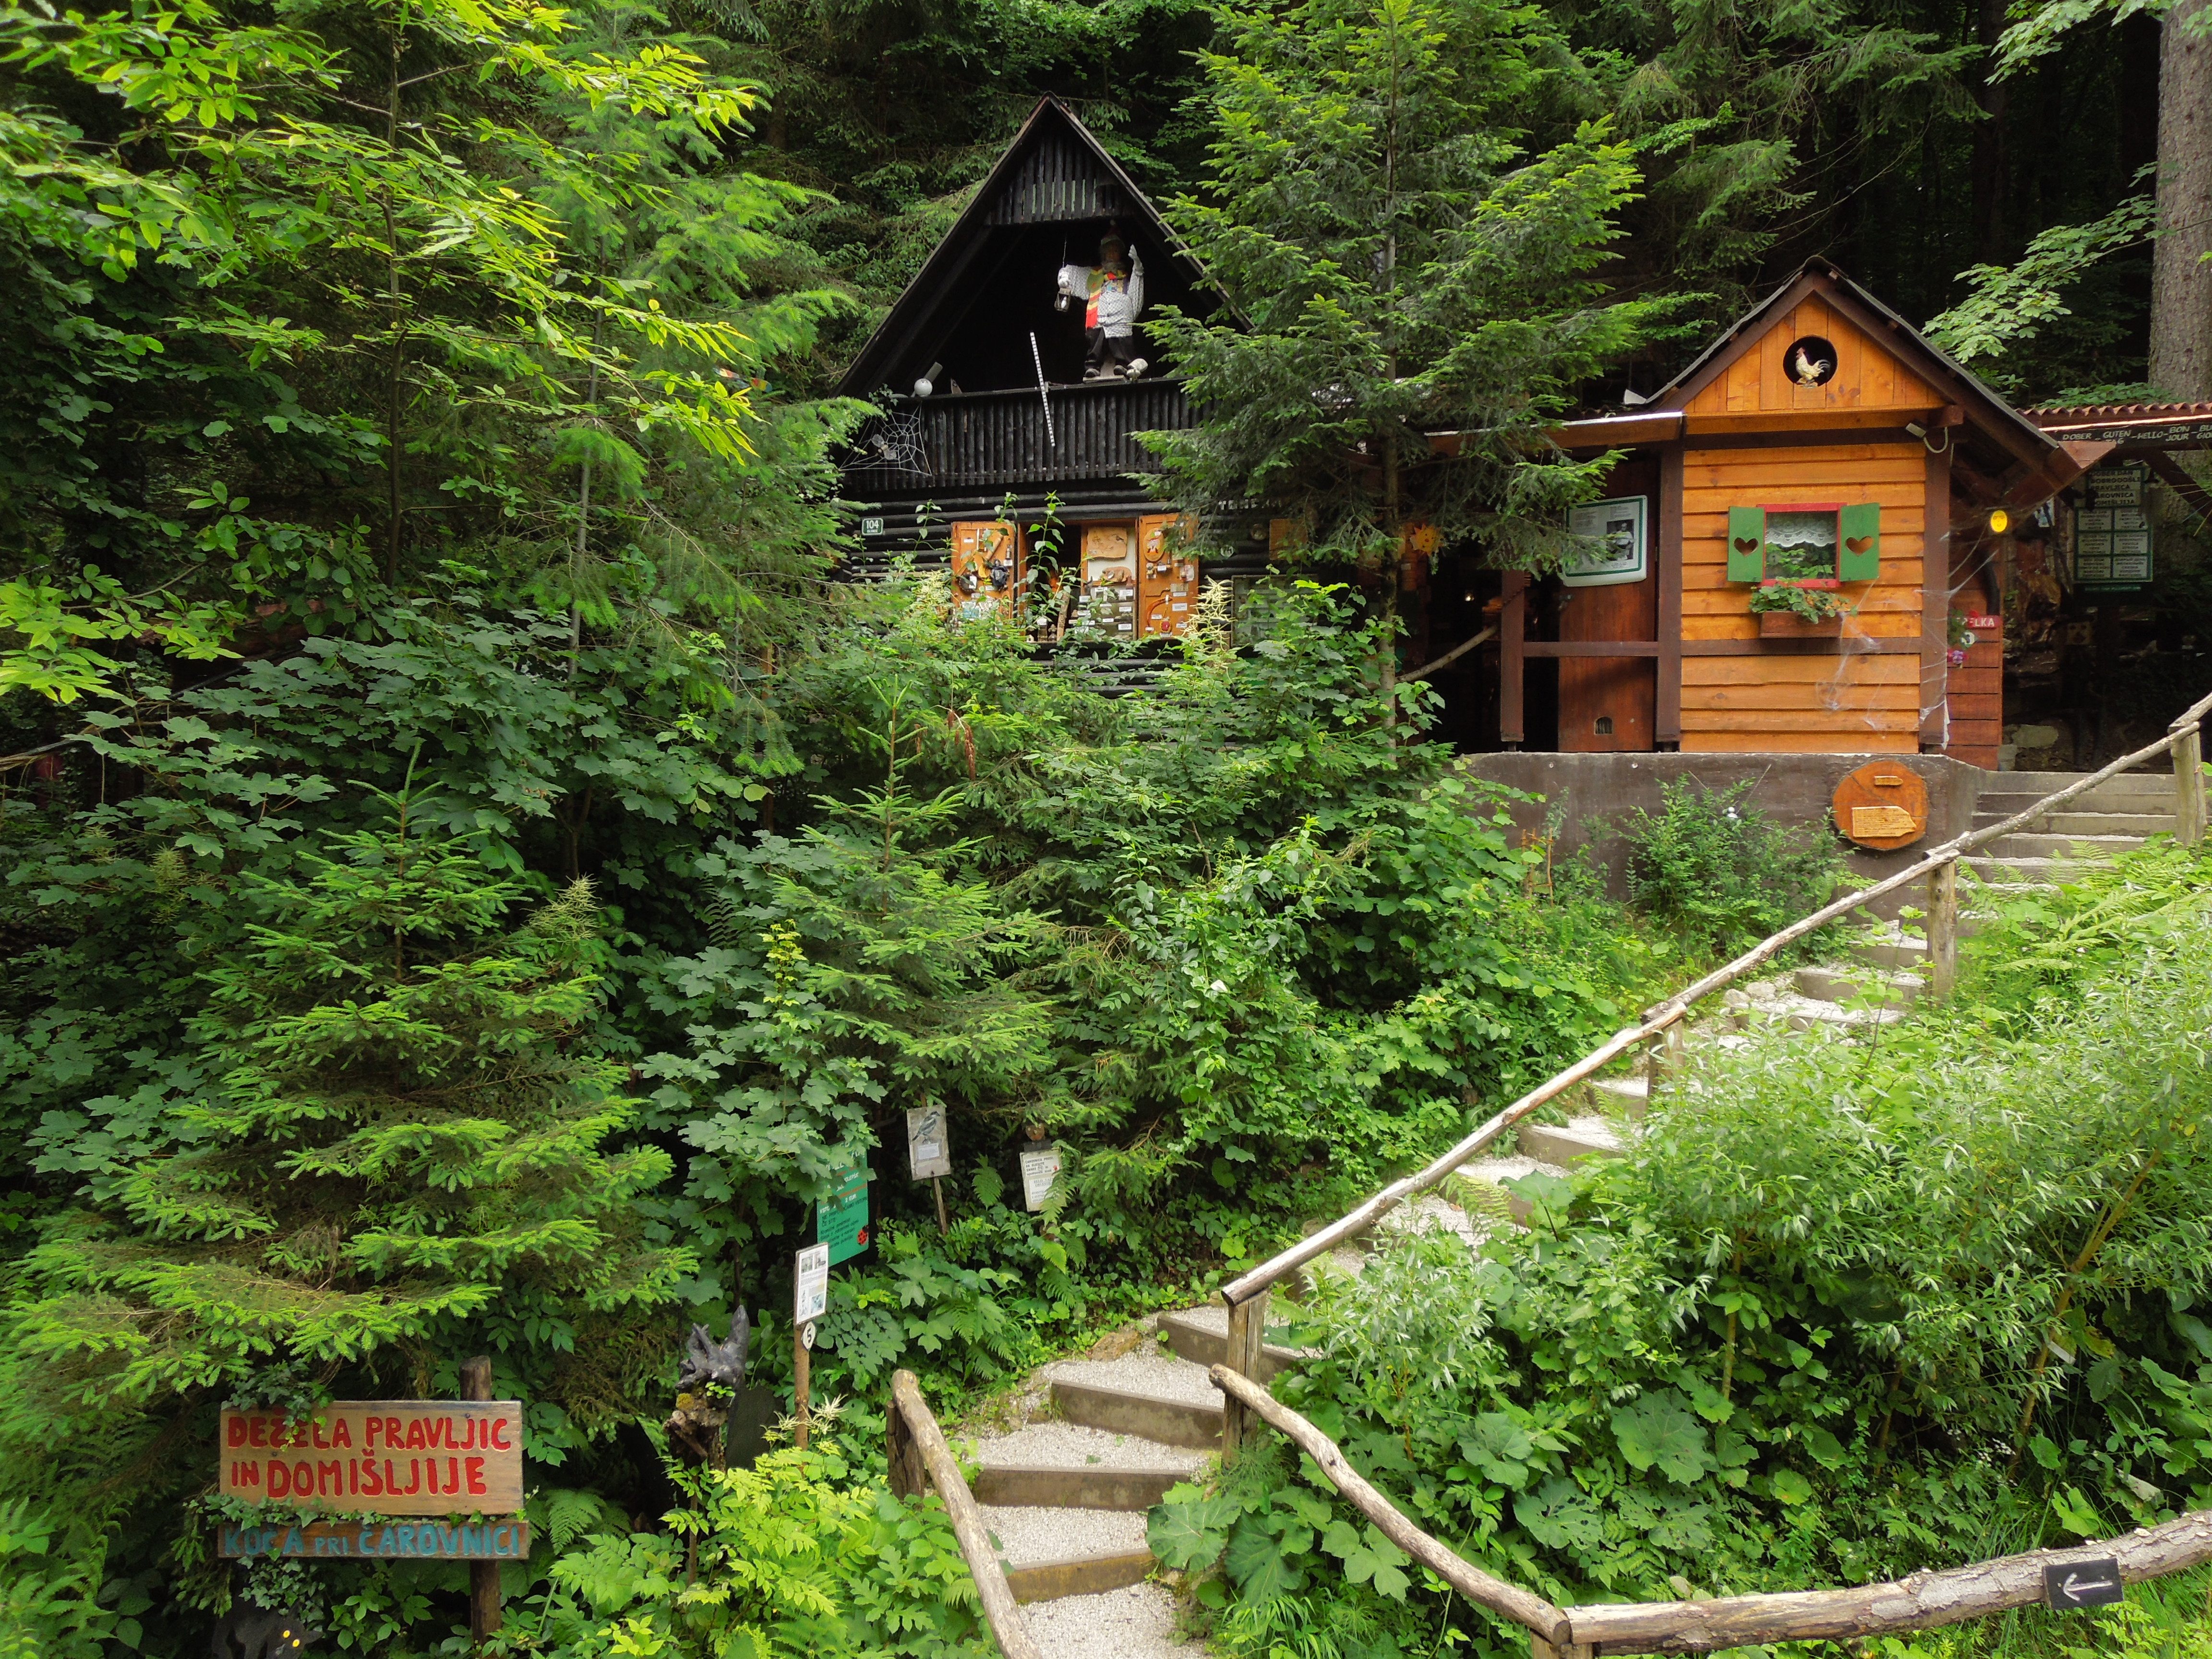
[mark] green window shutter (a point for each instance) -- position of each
(1859, 531)
(1747, 548)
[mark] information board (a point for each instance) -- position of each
(379, 1456)
(928, 1147)
(1039, 1169)
(840, 1220)
(2112, 534)
(810, 1285)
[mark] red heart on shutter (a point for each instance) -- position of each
(1743, 546)
(1859, 544)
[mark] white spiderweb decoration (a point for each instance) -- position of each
(895, 440)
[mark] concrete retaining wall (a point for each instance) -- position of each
(1598, 790)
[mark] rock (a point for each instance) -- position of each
(1115, 1344)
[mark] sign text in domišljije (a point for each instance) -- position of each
(379, 1458)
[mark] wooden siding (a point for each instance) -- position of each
(1835, 701)
(1868, 376)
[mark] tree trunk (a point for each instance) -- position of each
(1992, 166)
(2181, 279)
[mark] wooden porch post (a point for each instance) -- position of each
(1512, 662)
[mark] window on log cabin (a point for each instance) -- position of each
(1806, 544)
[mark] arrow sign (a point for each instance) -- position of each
(2072, 1584)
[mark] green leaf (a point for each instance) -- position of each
(1557, 1516)
(1792, 1488)
(1189, 1536)
(1257, 1563)
(1660, 1432)
(1499, 1448)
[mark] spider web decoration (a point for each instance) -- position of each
(895, 440)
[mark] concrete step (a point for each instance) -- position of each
(2041, 871)
(1619, 1096)
(1154, 1398)
(1482, 1186)
(1201, 1336)
(1900, 952)
(1846, 985)
(2065, 822)
(2048, 783)
(2036, 844)
(2135, 793)
(1570, 1143)
(1078, 1575)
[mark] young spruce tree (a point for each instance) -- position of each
(404, 1154)
(1399, 268)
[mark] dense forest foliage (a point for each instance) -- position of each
(475, 877)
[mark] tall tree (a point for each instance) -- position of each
(1398, 267)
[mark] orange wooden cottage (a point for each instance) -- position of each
(1823, 444)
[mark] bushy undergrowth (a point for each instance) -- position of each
(1848, 1308)
(1722, 871)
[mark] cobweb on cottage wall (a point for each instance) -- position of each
(895, 440)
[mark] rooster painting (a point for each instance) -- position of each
(1807, 364)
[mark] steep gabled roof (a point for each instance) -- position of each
(1056, 171)
(2005, 426)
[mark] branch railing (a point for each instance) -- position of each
(920, 1457)
(1663, 1627)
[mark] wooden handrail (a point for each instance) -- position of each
(918, 1448)
(1508, 1600)
(1917, 1603)
(1281, 1266)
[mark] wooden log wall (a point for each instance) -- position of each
(1861, 692)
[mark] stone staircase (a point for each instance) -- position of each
(1065, 1493)
(2117, 815)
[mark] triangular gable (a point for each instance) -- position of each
(1883, 362)
(1056, 171)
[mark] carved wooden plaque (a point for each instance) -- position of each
(1883, 806)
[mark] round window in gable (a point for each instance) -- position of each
(1810, 361)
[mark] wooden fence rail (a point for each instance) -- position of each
(1922, 1600)
(918, 1452)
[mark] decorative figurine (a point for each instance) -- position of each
(709, 1380)
(1113, 295)
(251, 1633)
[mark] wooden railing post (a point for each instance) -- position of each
(1539, 1649)
(907, 1474)
(1942, 930)
(1232, 1408)
(2189, 787)
(933, 1454)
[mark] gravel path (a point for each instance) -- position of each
(1136, 1623)
(1071, 1445)
(1162, 1376)
(1027, 1536)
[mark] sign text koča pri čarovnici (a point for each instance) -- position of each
(384, 1456)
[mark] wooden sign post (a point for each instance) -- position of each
(485, 1616)
(929, 1153)
(387, 1458)
(810, 1300)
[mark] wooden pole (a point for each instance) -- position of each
(908, 1473)
(997, 1596)
(1241, 1315)
(484, 1612)
(2189, 812)
(938, 1183)
(802, 1384)
(1943, 930)
(1508, 1600)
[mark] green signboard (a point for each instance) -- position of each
(840, 1220)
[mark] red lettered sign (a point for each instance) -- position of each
(379, 1458)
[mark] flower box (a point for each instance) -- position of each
(1787, 625)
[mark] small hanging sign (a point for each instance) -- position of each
(1039, 1169)
(840, 1220)
(2073, 1584)
(810, 1285)
(928, 1148)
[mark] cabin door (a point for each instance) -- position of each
(1610, 704)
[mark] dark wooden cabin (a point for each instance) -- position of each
(964, 469)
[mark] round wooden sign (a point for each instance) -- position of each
(1883, 804)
